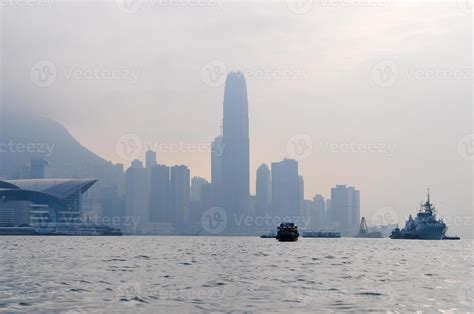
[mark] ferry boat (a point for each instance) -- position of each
(322, 234)
(287, 232)
(59, 230)
(426, 226)
(270, 235)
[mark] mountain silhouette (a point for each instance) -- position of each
(25, 135)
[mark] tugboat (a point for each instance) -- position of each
(364, 231)
(287, 232)
(424, 227)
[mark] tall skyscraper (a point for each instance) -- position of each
(150, 159)
(196, 188)
(263, 189)
(318, 216)
(236, 172)
(136, 204)
(345, 207)
(217, 148)
(150, 164)
(286, 188)
(355, 207)
(160, 195)
(301, 192)
(180, 195)
(329, 213)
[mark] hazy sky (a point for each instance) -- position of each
(392, 77)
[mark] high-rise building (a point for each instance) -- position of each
(318, 217)
(206, 198)
(263, 189)
(180, 195)
(150, 164)
(329, 214)
(301, 192)
(136, 204)
(236, 168)
(217, 148)
(150, 159)
(38, 168)
(196, 188)
(355, 206)
(285, 188)
(159, 198)
(345, 207)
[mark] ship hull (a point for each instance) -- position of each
(287, 236)
(287, 239)
(322, 234)
(428, 233)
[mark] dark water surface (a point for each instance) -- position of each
(195, 274)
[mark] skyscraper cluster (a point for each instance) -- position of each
(153, 198)
(167, 199)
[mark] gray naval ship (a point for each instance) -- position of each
(424, 227)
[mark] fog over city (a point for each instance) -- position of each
(372, 94)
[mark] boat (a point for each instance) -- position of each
(321, 234)
(270, 235)
(287, 232)
(426, 226)
(451, 238)
(364, 231)
(62, 230)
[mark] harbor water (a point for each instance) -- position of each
(194, 274)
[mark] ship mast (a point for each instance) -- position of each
(428, 206)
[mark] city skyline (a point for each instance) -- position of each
(159, 195)
(314, 88)
(187, 156)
